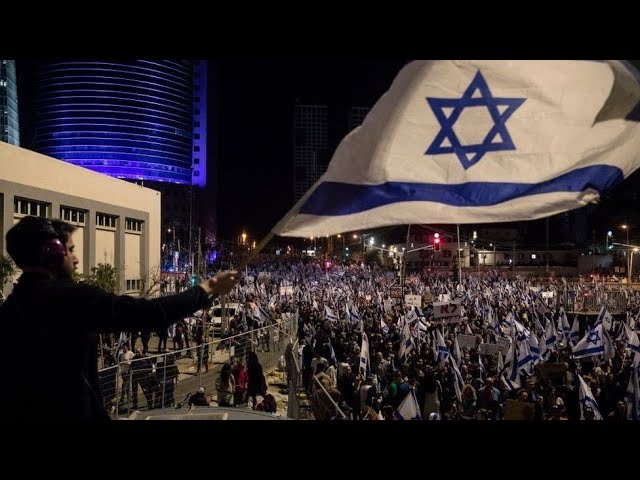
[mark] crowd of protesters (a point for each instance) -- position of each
(406, 371)
(375, 357)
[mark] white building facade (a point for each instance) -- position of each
(117, 222)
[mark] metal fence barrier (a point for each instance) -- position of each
(168, 379)
(593, 299)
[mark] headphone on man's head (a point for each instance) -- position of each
(52, 251)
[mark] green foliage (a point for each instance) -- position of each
(7, 271)
(104, 276)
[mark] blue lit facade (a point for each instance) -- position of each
(135, 120)
(9, 126)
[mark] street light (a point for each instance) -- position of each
(609, 235)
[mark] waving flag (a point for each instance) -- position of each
(456, 349)
(575, 331)
(595, 342)
(443, 351)
(630, 338)
(510, 375)
(384, 328)
(483, 370)
(365, 363)
(465, 141)
(587, 400)
(260, 315)
(329, 315)
(409, 408)
(633, 390)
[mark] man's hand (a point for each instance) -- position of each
(221, 284)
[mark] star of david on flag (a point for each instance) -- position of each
(594, 338)
(448, 111)
(479, 141)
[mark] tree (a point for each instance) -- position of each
(7, 271)
(104, 276)
(150, 283)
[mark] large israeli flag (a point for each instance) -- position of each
(470, 141)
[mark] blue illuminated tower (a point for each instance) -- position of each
(138, 120)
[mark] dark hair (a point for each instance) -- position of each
(225, 373)
(27, 238)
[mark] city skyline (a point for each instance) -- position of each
(255, 102)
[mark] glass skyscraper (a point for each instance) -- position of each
(9, 126)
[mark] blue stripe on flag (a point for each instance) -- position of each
(334, 198)
(582, 353)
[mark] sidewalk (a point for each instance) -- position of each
(189, 380)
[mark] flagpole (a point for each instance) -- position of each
(459, 260)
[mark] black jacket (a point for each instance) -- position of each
(51, 372)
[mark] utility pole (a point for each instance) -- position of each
(547, 253)
(191, 226)
(459, 260)
(199, 253)
(404, 261)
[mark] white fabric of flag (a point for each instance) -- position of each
(633, 390)
(443, 351)
(260, 315)
(511, 374)
(587, 399)
(365, 363)
(631, 338)
(575, 331)
(384, 328)
(591, 344)
(408, 408)
(456, 349)
(329, 315)
(479, 141)
(565, 328)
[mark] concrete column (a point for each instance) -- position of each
(119, 253)
(89, 247)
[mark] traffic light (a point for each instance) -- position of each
(609, 240)
(194, 280)
(436, 242)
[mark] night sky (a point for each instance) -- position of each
(256, 115)
(256, 128)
